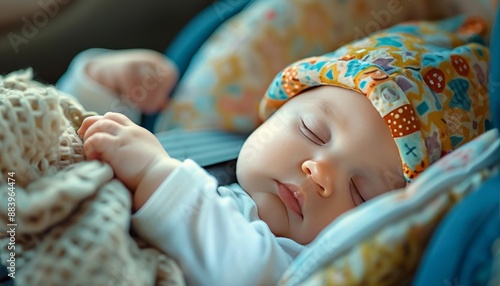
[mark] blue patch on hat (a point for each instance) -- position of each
(460, 98)
(422, 108)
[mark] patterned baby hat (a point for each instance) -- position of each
(427, 80)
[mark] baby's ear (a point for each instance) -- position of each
(37, 128)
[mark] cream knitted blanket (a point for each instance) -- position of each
(63, 220)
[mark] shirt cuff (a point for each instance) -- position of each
(176, 196)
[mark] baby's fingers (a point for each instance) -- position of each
(87, 122)
(100, 146)
(102, 125)
(111, 123)
(118, 118)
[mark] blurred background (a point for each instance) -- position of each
(47, 34)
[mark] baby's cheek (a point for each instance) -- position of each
(273, 212)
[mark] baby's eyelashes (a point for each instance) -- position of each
(310, 133)
(356, 195)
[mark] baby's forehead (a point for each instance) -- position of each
(324, 99)
(325, 106)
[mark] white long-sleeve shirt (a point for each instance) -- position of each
(213, 232)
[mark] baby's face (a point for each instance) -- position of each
(322, 153)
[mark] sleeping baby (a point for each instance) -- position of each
(338, 130)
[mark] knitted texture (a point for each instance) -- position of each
(72, 217)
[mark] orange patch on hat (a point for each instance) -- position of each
(290, 81)
(402, 121)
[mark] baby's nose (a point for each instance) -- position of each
(321, 173)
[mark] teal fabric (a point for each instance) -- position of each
(192, 37)
(495, 71)
(199, 29)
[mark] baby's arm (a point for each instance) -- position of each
(125, 81)
(136, 156)
(143, 77)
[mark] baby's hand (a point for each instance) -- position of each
(144, 78)
(135, 154)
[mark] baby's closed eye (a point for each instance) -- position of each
(313, 131)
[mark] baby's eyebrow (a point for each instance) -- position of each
(325, 107)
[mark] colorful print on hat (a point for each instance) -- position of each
(427, 80)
